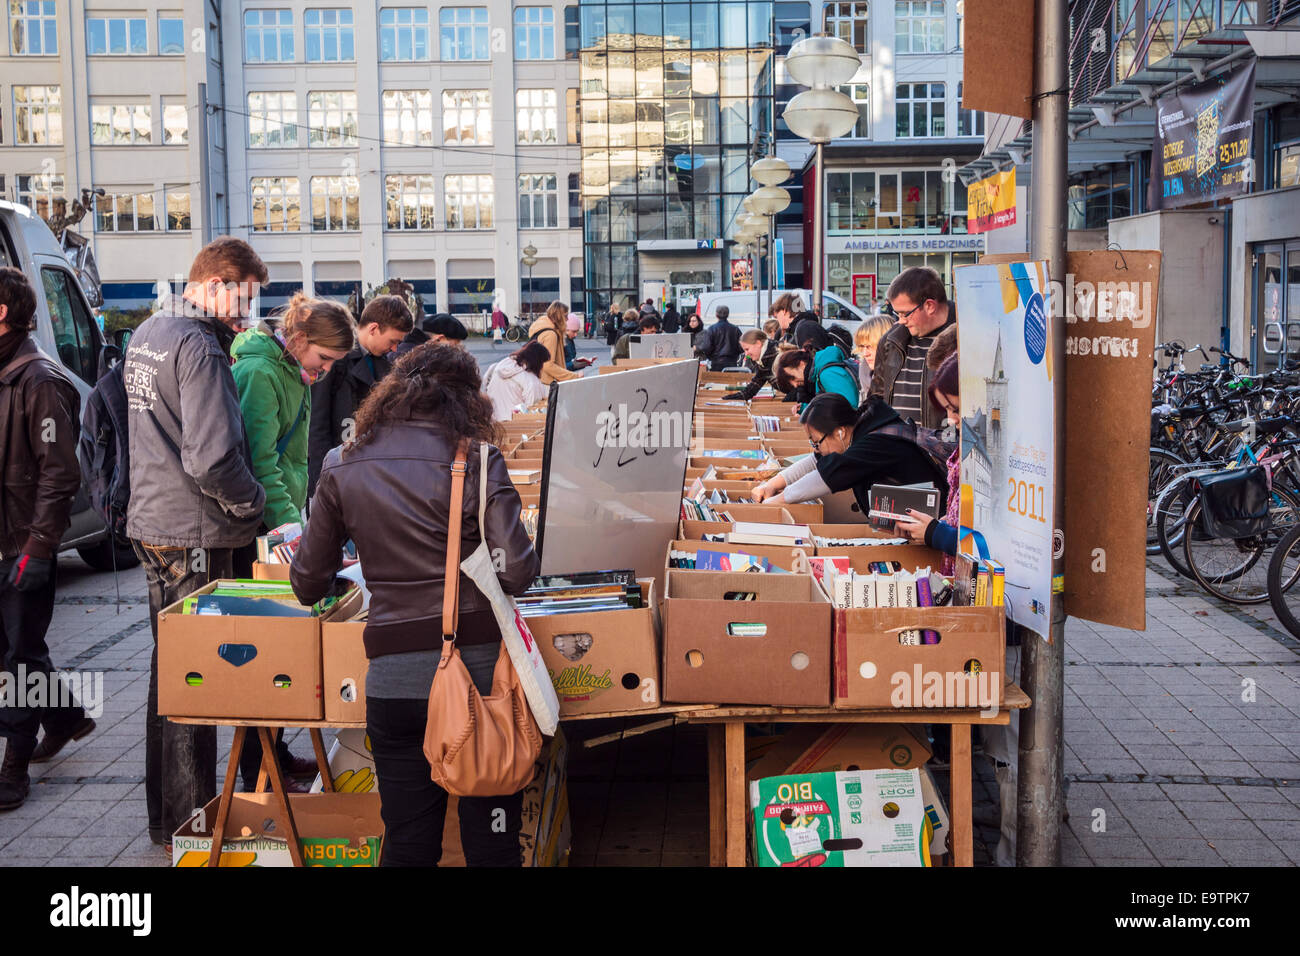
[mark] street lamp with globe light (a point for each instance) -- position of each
(819, 115)
(529, 260)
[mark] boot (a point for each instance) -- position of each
(14, 782)
(52, 743)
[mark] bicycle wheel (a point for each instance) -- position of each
(1164, 468)
(1236, 569)
(514, 333)
(1283, 570)
(1170, 518)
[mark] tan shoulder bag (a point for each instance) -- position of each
(476, 746)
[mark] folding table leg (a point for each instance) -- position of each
(717, 797)
(227, 791)
(736, 802)
(272, 767)
(963, 846)
(322, 762)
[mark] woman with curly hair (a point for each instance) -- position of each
(389, 490)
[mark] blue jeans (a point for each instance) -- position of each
(414, 808)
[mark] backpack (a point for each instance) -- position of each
(104, 450)
(848, 365)
(935, 449)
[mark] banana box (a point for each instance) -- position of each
(352, 766)
(847, 818)
(334, 830)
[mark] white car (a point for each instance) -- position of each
(750, 309)
(66, 331)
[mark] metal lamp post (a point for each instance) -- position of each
(819, 115)
(529, 260)
(767, 202)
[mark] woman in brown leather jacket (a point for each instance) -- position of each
(389, 491)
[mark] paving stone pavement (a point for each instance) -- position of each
(1182, 747)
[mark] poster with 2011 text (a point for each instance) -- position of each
(1008, 415)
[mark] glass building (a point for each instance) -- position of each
(676, 103)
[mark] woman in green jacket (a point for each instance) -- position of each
(815, 373)
(275, 365)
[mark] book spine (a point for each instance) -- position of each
(982, 586)
(907, 597)
(925, 598)
(844, 591)
(864, 590)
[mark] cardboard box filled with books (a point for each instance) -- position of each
(908, 636)
(746, 639)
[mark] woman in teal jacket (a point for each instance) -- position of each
(274, 367)
(815, 373)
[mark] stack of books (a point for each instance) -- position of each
(888, 585)
(278, 545)
(979, 582)
(783, 535)
(767, 423)
(721, 560)
(822, 541)
(582, 592)
(252, 599)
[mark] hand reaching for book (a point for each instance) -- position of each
(915, 527)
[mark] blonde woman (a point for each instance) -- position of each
(550, 331)
(865, 340)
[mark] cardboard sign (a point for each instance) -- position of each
(616, 451)
(998, 72)
(1110, 330)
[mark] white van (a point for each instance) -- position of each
(750, 309)
(67, 332)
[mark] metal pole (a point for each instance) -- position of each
(771, 263)
(755, 260)
(819, 228)
(1040, 793)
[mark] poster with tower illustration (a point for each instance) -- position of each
(1008, 414)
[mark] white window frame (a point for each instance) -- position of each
(168, 193)
(537, 121)
(41, 191)
(463, 27)
(112, 201)
(21, 21)
(327, 33)
(535, 23)
(975, 119)
(478, 105)
(284, 116)
(408, 117)
(848, 16)
(328, 113)
(341, 194)
(860, 94)
(176, 108)
(168, 16)
(134, 121)
(456, 196)
(930, 100)
(126, 35)
(285, 190)
(397, 21)
(539, 193)
(924, 13)
(415, 191)
(50, 105)
(270, 22)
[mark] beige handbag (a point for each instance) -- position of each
(476, 746)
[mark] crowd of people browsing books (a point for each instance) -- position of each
(234, 426)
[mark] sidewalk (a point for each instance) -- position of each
(1182, 748)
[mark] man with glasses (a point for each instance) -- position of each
(901, 377)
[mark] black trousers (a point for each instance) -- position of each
(414, 808)
(180, 761)
(24, 619)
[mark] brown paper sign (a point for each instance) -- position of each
(999, 62)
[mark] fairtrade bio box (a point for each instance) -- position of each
(214, 665)
(343, 669)
(722, 649)
(352, 765)
(334, 829)
(603, 661)
(826, 748)
(847, 818)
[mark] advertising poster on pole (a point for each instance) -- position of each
(742, 275)
(1008, 411)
